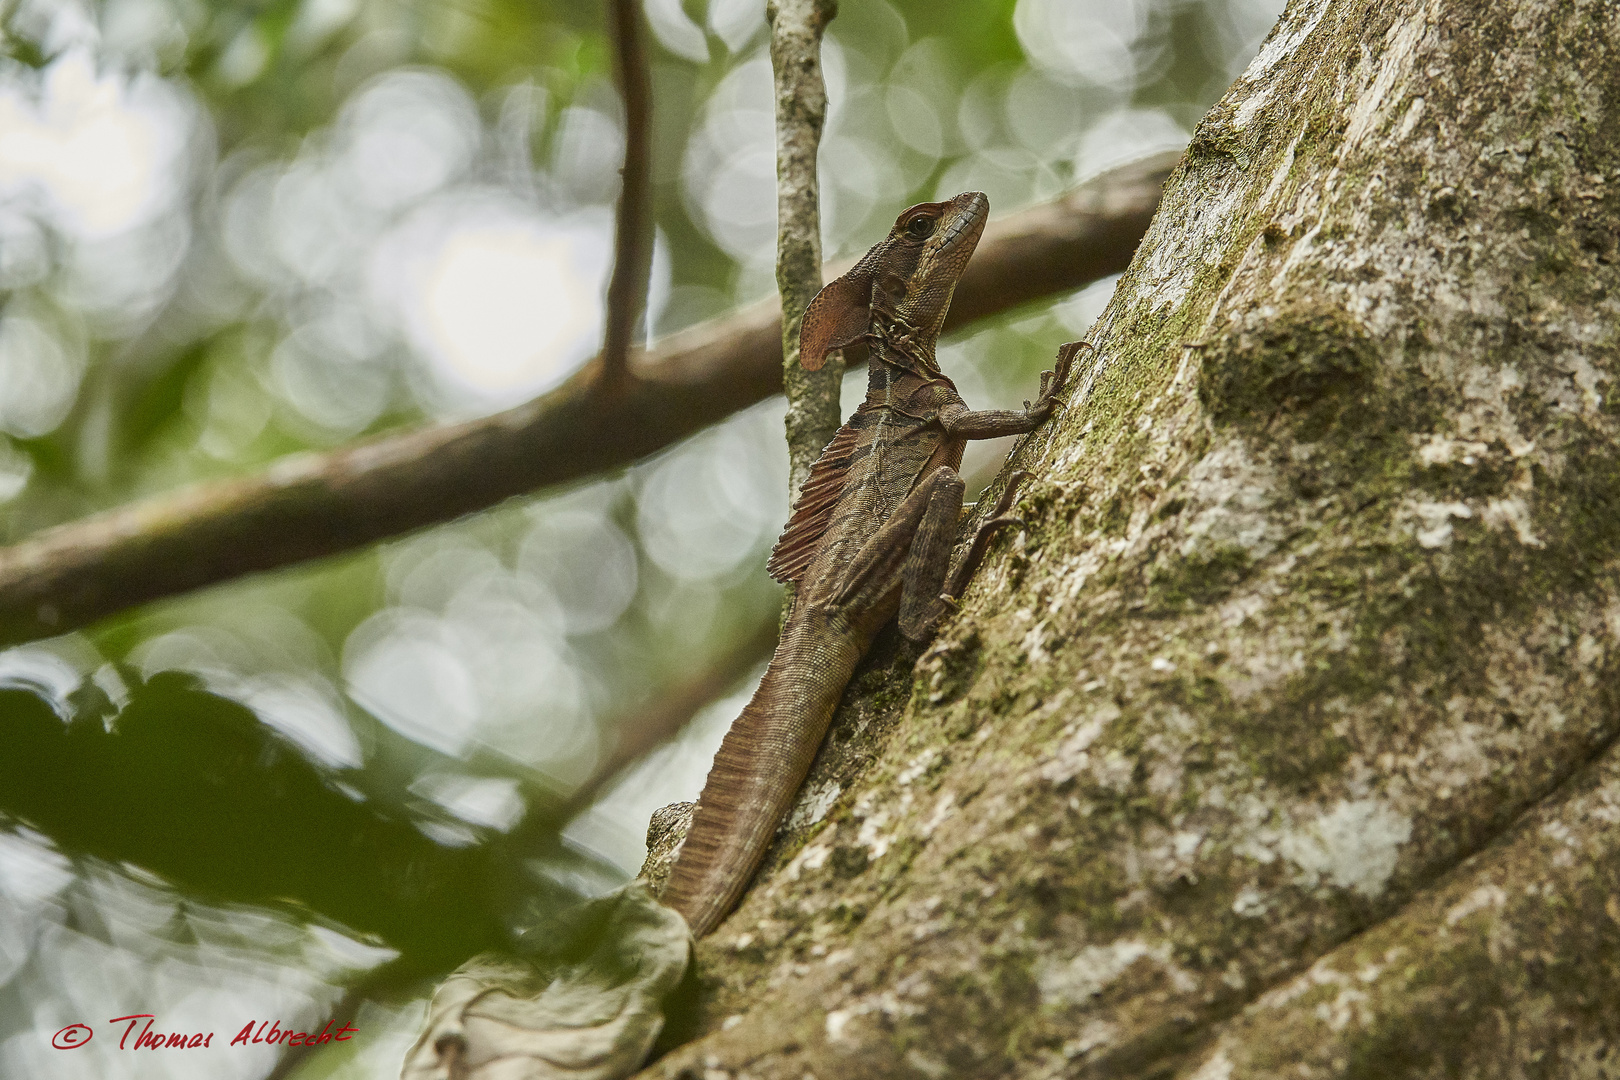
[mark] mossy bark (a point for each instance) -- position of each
(1278, 743)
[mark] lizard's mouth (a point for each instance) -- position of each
(967, 223)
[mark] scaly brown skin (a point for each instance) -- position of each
(870, 538)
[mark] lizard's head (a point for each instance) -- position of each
(902, 287)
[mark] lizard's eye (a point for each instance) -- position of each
(920, 228)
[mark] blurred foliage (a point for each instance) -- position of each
(235, 230)
(257, 821)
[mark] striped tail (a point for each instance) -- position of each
(759, 769)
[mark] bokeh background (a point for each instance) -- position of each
(230, 231)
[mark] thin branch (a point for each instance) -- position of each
(633, 242)
(312, 505)
(801, 110)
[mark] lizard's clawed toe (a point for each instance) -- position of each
(997, 523)
(1069, 350)
(1009, 493)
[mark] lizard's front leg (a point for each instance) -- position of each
(961, 422)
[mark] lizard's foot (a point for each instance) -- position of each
(999, 519)
(1069, 350)
(988, 529)
(1001, 516)
(1052, 381)
(1009, 493)
(996, 524)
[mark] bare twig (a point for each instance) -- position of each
(801, 110)
(633, 242)
(312, 505)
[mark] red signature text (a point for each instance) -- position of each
(157, 1040)
(277, 1034)
(262, 1032)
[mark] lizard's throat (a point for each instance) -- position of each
(898, 343)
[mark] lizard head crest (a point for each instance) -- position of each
(900, 290)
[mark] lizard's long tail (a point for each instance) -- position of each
(761, 764)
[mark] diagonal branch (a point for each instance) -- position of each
(312, 505)
(633, 242)
(635, 736)
(380, 983)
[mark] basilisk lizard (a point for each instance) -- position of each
(871, 536)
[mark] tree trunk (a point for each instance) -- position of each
(1279, 743)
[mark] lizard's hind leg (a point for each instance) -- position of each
(882, 564)
(930, 584)
(928, 560)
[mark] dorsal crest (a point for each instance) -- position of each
(813, 512)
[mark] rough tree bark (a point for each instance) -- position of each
(1280, 744)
